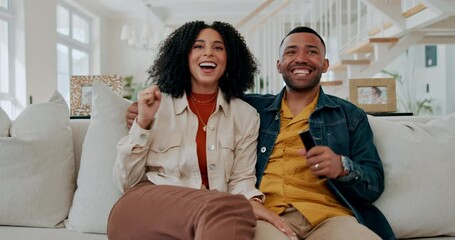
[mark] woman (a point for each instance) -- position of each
(192, 135)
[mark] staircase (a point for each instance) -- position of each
(362, 36)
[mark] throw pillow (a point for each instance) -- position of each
(96, 192)
(37, 172)
(5, 124)
(418, 164)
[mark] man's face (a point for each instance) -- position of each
(302, 61)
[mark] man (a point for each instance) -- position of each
(328, 191)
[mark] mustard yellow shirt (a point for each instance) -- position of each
(287, 181)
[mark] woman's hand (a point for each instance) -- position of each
(148, 103)
(262, 213)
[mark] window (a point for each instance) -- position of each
(6, 58)
(4, 4)
(73, 46)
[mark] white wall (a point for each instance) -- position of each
(127, 60)
(40, 49)
(36, 50)
(35, 47)
(450, 95)
(411, 65)
(116, 57)
(437, 79)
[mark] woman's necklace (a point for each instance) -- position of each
(197, 112)
(203, 101)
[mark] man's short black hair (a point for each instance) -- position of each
(303, 29)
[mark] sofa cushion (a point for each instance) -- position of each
(96, 192)
(37, 172)
(419, 169)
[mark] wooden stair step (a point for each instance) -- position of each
(342, 64)
(367, 46)
(379, 29)
(384, 40)
(414, 10)
(337, 67)
(355, 61)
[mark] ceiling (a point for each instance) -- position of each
(173, 13)
(176, 12)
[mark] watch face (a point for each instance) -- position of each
(345, 163)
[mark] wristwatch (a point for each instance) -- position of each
(345, 164)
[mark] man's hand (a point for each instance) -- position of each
(323, 162)
(131, 114)
(262, 213)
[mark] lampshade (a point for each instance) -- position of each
(132, 39)
(126, 33)
(145, 32)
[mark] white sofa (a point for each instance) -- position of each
(419, 199)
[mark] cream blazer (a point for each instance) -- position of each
(166, 154)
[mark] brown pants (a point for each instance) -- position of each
(161, 212)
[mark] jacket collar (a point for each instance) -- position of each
(323, 101)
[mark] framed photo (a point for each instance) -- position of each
(373, 94)
(81, 91)
(431, 56)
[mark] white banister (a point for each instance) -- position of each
(342, 23)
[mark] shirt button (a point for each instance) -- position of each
(143, 136)
(161, 148)
(212, 166)
(211, 147)
(211, 127)
(263, 149)
(277, 117)
(356, 178)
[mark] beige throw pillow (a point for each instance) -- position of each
(419, 165)
(96, 192)
(37, 173)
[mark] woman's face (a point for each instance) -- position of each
(207, 60)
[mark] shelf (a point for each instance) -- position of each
(390, 114)
(80, 117)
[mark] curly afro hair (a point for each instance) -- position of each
(171, 72)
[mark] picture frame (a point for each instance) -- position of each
(373, 94)
(81, 91)
(431, 56)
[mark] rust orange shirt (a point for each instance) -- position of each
(203, 112)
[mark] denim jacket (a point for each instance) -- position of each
(344, 128)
